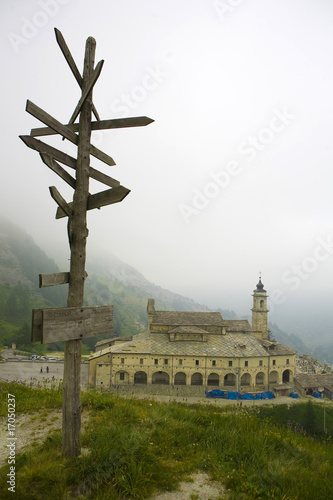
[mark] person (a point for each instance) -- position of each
(41, 369)
(47, 369)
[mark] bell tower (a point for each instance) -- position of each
(259, 311)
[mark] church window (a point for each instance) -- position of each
(287, 361)
(230, 363)
(156, 361)
(260, 362)
(196, 362)
(122, 360)
(261, 304)
(246, 363)
(165, 361)
(274, 362)
(141, 361)
(122, 376)
(213, 362)
(180, 361)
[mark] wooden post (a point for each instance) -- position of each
(70, 324)
(78, 232)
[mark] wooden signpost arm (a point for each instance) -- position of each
(71, 422)
(71, 63)
(86, 90)
(61, 129)
(136, 121)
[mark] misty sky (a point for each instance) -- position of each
(235, 174)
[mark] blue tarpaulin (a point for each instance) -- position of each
(294, 395)
(316, 395)
(216, 393)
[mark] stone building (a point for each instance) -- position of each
(188, 350)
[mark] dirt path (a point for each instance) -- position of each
(31, 428)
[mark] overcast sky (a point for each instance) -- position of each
(235, 174)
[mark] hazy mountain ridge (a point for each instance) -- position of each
(115, 270)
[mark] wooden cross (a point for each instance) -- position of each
(74, 322)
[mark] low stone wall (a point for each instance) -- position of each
(159, 390)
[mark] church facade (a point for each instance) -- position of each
(187, 349)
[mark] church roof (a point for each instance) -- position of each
(274, 348)
(237, 325)
(314, 380)
(230, 345)
(181, 318)
(260, 286)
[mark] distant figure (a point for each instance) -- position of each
(41, 370)
(47, 369)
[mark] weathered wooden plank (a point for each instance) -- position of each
(137, 121)
(71, 63)
(98, 200)
(107, 197)
(53, 279)
(53, 165)
(42, 147)
(60, 201)
(61, 129)
(71, 323)
(105, 179)
(86, 92)
(36, 330)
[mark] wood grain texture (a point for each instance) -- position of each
(136, 121)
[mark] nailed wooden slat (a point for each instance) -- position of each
(53, 279)
(87, 90)
(60, 200)
(71, 63)
(107, 197)
(71, 323)
(53, 165)
(36, 327)
(137, 121)
(98, 200)
(105, 179)
(61, 129)
(42, 147)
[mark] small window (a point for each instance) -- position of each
(261, 304)
(156, 361)
(230, 363)
(260, 362)
(213, 362)
(180, 361)
(287, 361)
(196, 362)
(165, 361)
(122, 360)
(274, 362)
(141, 361)
(122, 376)
(246, 363)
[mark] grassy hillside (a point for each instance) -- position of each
(134, 448)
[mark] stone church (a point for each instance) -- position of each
(194, 352)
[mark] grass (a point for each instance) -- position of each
(136, 447)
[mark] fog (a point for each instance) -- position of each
(233, 178)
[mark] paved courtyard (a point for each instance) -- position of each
(30, 371)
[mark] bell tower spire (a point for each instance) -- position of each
(259, 311)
